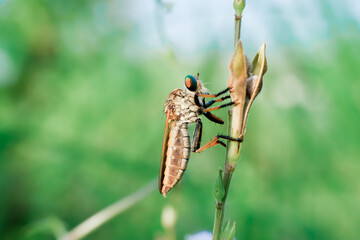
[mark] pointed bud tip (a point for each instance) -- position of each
(219, 190)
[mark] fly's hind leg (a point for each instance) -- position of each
(216, 140)
(196, 140)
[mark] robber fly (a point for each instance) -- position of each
(184, 106)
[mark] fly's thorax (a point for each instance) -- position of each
(181, 106)
(189, 111)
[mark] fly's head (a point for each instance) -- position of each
(194, 85)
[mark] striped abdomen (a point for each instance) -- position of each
(177, 155)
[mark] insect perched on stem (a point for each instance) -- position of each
(184, 106)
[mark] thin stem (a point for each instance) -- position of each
(218, 219)
(231, 156)
(228, 171)
(239, 6)
(237, 28)
(99, 218)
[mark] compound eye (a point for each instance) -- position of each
(191, 83)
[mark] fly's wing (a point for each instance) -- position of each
(164, 150)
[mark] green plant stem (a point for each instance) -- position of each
(220, 206)
(231, 156)
(237, 28)
(229, 168)
(239, 6)
(218, 217)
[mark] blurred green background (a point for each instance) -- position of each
(82, 87)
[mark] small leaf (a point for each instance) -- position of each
(219, 191)
(225, 229)
(232, 231)
(229, 232)
(227, 226)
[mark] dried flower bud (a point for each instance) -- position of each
(251, 84)
(237, 80)
(254, 83)
(246, 82)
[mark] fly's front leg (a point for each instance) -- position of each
(209, 103)
(218, 107)
(208, 115)
(196, 141)
(215, 95)
(205, 105)
(216, 140)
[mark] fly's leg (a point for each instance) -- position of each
(207, 114)
(196, 140)
(215, 95)
(213, 118)
(210, 144)
(204, 106)
(216, 140)
(197, 101)
(208, 104)
(218, 107)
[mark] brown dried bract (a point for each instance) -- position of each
(237, 81)
(246, 84)
(255, 81)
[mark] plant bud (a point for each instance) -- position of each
(251, 84)
(219, 191)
